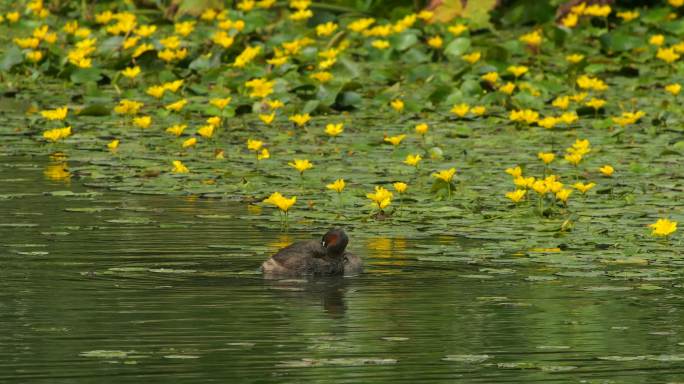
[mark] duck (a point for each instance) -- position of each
(325, 257)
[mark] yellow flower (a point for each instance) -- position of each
(57, 134)
(12, 17)
(517, 70)
(246, 5)
(533, 38)
(145, 30)
(490, 77)
(34, 56)
(578, 97)
(254, 145)
(435, 42)
(460, 110)
(206, 131)
(360, 24)
(422, 128)
(128, 107)
(478, 110)
(220, 103)
(275, 104)
(573, 158)
(337, 186)
(184, 28)
(570, 21)
(156, 91)
(326, 29)
(584, 187)
(540, 187)
(676, 3)
(189, 142)
(413, 160)
(267, 119)
(214, 121)
(607, 170)
(395, 140)
(173, 86)
(246, 56)
(179, 167)
(546, 157)
(281, 202)
(472, 58)
(55, 114)
(142, 121)
(524, 182)
(322, 77)
(447, 174)
(628, 118)
(569, 117)
(131, 72)
(176, 106)
(260, 87)
(142, 49)
(595, 103)
(381, 197)
(657, 40)
(113, 145)
(300, 165)
(334, 129)
(507, 88)
(548, 122)
(526, 115)
(300, 119)
(380, 44)
(517, 195)
(667, 55)
(561, 102)
(400, 186)
(588, 82)
(222, 38)
(457, 29)
(176, 129)
(663, 227)
(397, 105)
(515, 172)
(628, 15)
(563, 195)
(301, 15)
(673, 89)
(264, 154)
(574, 58)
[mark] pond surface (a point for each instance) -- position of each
(100, 286)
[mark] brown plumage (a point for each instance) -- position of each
(327, 257)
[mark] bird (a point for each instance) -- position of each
(327, 257)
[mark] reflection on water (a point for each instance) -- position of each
(123, 288)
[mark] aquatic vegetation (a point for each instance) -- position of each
(365, 101)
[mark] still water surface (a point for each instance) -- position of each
(109, 287)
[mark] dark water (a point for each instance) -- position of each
(163, 289)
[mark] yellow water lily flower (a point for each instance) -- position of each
(113, 145)
(574, 58)
(413, 160)
(422, 128)
(142, 121)
(561, 102)
(517, 70)
(381, 197)
(176, 106)
(206, 131)
(583, 188)
(189, 142)
(673, 89)
(337, 186)
(128, 107)
(663, 227)
(263, 154)
(301, 165)
(395, 140)
(460, 110)
(334, 129)
(220, 103)
(400, 186)
(546, 157)
(472, 57)
(214, 121)
(533, 39)
(57, 134)
(326, 29)
(177, 129)
(595, 103)
(267, 119)
(300, 119)
(447, 175)
(131, 72)
(55, 114)
(515, 172)
(435, 42)
(179, 167)
(517, 195)
(607, 170)
(397, 105)
(563, 195)
(156, 91)
(280, 201)
(254, 145)
(507, 88)
(490, 77)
